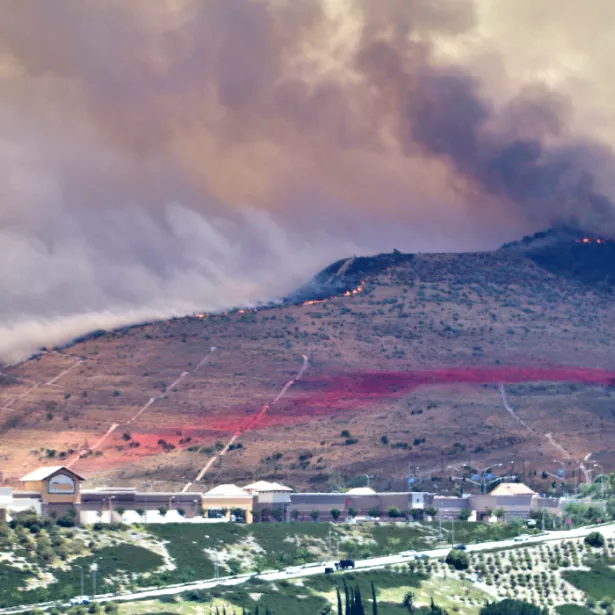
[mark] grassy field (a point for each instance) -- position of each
(314, 594)
(573, 609)
(131, 558)
(597, 582)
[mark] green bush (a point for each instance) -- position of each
(595, 539)
(512, 607)
(458, 559)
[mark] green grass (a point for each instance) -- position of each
(573, 609)
(598, 582)
(186, 543)
(111, 561)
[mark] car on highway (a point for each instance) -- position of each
(77, 600)
(421, 556)
(329, 570)
(521, 538)
(460, 547)
(409, 554)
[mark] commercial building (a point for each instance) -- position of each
(57, 490)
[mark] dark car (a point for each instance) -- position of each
(460, 547)
(344, 564)
(328, 570)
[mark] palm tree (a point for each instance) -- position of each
(315, 514)
(335, 513)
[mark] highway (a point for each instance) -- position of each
(307, 570)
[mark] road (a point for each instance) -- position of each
(141, 410)
(250, 425)
(307, 570)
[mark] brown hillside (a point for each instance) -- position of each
(403, 372)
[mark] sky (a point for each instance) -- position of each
(160, 158)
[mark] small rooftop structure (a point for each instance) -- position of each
(228, 491)
(361, 491)
(263, 486)
(46, 472)
(512, 489)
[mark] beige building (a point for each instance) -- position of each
(57, 487)
(226, 502)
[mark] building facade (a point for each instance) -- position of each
(57, 490)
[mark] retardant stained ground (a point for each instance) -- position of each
(403, 373)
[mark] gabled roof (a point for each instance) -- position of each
(263, 486)
(512, 489)
(47, 472)
(227, 491)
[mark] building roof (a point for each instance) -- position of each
(263, 486)
(512, 489)
(361, 491)
(47, 472)
(227, 491)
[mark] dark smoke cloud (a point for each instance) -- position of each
(181, 155)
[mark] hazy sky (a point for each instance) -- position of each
(166, 156)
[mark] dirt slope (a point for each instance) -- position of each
(399, 369)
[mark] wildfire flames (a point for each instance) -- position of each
(590, 240)
(348, 293)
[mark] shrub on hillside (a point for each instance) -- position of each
(458, 559)
(512, 607)
(594, 539)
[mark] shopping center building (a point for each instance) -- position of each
(56, 490)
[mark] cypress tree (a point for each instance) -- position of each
(359, 601)
(374, 602)
(339, 602)
(347, 599)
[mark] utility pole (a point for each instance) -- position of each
(368, 477)
(94, 568)
(543, 519)
(453, 528)
(563, 475)
(216, 567)
(82, 580)
(440, 536)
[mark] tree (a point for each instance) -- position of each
(434, 609)
(431, 511)
(465, 514)
(315, 514)
(335, 513)
(458, 559)
(374, 600)
(353, 512)
(408, 602)
(265, 512)
(394, 512)
(512, 607)
(276, 514)
(374, 512)
(499, 513)
(120, 510)
(140, 512)
(594, 539)
(294, 515)
(163, 510)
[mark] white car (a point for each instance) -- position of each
(409, 554)
(521, 538)
(79, 600)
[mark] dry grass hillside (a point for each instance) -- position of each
(399, 369)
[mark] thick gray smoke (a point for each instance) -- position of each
(165, 157)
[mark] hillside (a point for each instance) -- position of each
(379, 365)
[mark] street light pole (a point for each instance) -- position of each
(563, 475)
(601, 479)
(82, 579)
(368, 477)
(94, 568)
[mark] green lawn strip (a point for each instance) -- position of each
(185, 544)
(112, 561)
(573, 609)
(288, 544)
(597, 582)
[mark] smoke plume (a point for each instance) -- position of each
(164, 157)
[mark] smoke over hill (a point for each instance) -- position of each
(163, 157)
